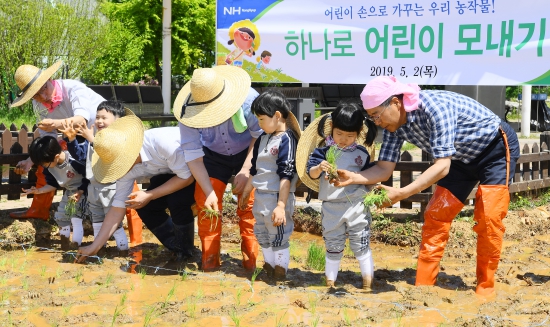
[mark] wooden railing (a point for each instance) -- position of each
(530, 172)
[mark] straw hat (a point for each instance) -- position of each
(212, 96)
(293, 125)
(30, 79)
(117, 147)
(311, 140)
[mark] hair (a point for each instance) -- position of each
(44, 149)
(270, 102)
(265, 53)
(247, 31)
(349, 116)
(387, 102)
(114, 107)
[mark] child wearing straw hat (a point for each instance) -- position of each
(343, 213)
(53, 101)
(61, 169)
(125, 152)
(274, 178)
(100, 195)
(214, 111)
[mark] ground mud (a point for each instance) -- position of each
(40, 286)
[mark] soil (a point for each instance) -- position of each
(41, 286)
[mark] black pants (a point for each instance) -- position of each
(222, 167)
(179, 203)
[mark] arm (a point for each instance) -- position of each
(140, 198)
(242, 177)
(201, 176)
(243, 201)
(50, 125)
(278, 216)
(316, 163)
(112, 219)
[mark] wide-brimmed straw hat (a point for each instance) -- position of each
(212, 96)
(117, 147)
(293, 124)
(30, 79)
(310, 140)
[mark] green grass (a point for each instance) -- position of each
(315, 257)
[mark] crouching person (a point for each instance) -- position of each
(124, 153)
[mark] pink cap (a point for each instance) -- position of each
(382, 87)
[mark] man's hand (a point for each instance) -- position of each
(67, 129)
(84, 252)
(240, 180)
(394, 194)
(23, 166)
(245, 196)
(138, 199)
(345, 178)
(47, 125)
(278, 216)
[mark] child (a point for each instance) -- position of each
(343, 213)
(273, 174)
(100, 196)
(61, 169)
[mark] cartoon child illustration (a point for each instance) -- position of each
(246, 38)
(263, 60)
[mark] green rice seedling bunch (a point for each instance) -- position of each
(376, 197)
(213, 216)
(333, 154)
(70, 207)
(315, 257)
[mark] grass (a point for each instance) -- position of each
(213, 216)
(408, 146)
(531, 200)
(315, 257)
(376, 197)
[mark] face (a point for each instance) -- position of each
(268, 124)
(266, 59)
(53, 163)
(103, 119)
(389, 117)
(242, 40)
(343, 138)
(45, 93)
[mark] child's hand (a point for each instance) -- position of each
(68, 129)
(85, 132)
(77, 195)
(278, 216)
(32, 190)
(325, 166)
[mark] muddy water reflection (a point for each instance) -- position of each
(39, 289)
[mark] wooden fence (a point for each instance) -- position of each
(530, 173)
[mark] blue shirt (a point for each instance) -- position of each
(446, 124)
(222, 138)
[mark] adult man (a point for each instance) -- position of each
(53, 102)
(469, 144)
(123, 152)
(214, 112)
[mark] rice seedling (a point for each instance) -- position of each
(78, 276)
(347, 320)
(3, 262)
(191, 306)
(93, 294)
(4, 297)
(169, 296)
(43, 271)
(238, 296)
(315, 321)
(376, 197)
(200, 292)
(183, 274)
(236, 319)
(118, 309)
(3, 280)
(142, 273)
(255, 274)
(213, 216)
(70, 207)
(25, 282)
(58, 272)
(66, 309)
(312, 299)
(149, 315)
(108, 279)
(279, 320)
(333, 154)
(315, 257)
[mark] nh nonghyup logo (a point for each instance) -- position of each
(236, 10)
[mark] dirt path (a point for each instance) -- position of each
(44, 288)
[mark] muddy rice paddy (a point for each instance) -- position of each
(40, 286)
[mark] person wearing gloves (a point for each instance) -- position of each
(53, 101)
(469, 144)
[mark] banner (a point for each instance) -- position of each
(464, 42)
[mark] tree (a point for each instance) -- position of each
(193, 32)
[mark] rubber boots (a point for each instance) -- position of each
(490, 208)
(249, 243)
(169, 235)
(188, 241)
(440, 212)
(210, 228)
(41, 203)
(135, 225)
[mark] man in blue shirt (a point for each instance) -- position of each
(215, 118)
(469, 144)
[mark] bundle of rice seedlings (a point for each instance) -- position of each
(376, 197)
(333, 154)
(70, 207)
(213, 215)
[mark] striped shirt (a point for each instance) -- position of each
(446, 124)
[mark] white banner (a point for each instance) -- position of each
(464, 42)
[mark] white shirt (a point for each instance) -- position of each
(78, 100)
(161, 153)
